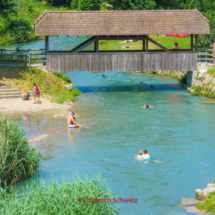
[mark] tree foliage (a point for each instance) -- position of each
(90, 4)
(5, 7)
(207, 8)
(132, 4)
(59, 3)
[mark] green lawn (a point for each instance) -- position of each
(167, 42)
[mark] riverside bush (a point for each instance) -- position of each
(18, 160)
(58, 199)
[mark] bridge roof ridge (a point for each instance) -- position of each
(133, 22)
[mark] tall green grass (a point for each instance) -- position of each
(211, 71)
(208, 204)
(60, 199)
(18, 160)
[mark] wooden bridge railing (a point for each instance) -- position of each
(206, 55)
(115, 61)
(22, 57)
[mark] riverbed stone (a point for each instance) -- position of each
(203, 194)
(191, 90)
(204, 76)
(68, 87)
(198, 83)
(189, 201)
(193, 210)
(213, 81)
(200, 75)
(38, 138)
(207, 80)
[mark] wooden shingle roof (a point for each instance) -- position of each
(133, 22)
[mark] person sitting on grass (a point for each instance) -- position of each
(176, 46)
(36, 93)
(147, 106)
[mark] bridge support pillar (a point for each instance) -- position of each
(191, 77)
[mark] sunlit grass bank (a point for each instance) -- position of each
(67, 198)
(208, 204)
(167, 42)
(18, 160)
(50, 85)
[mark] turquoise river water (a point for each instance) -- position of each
(179, 132)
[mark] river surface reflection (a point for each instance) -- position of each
(179, 131)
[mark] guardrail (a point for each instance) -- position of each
(206, 55)
(22, 57)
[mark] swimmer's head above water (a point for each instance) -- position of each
(141, 81)
(145, 152)
(147, 106)
(140, 152)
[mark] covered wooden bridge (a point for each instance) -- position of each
(121, 25)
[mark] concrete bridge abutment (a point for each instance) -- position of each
(191, 77)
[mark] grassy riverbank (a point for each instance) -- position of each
(50, 85)
(70, 197)
(208, 204)
(204, 84)
(167, 42)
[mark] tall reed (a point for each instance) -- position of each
(18, 160)
(60, 199)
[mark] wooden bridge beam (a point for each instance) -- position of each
(196, 42)
(191, 38)
(46, 44)
(96, 46)
(84, 44)
(147, 45)
(158, 44)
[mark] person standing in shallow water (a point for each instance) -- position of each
(36, 93)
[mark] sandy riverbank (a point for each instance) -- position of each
(17, 105)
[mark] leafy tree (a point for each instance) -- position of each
(75, 4)
(5, 7)
(90, 4)
(141, 4)
(58, 3)
(132, 4)
(166, 4)
(207, 8)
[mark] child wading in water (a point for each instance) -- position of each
(36, 93)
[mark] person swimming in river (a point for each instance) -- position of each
(141, 82)
(147, 106)
(143, 155)
(71, 120)
(104, 76)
